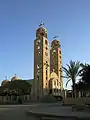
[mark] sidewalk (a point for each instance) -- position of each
(22, 105)
(59, 111)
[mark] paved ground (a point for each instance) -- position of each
(15, 112)
(19, 112)
(58, 110)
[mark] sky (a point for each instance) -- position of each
(19, 19)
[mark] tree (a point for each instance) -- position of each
(85, 75)
(17, 87)
(80, 86)
(71, 73)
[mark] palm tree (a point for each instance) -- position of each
(85, 75)
(71, 73)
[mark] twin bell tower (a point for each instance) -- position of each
(47, 65)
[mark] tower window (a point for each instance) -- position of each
(37, 77)
(46, 48)
(54, 50)
(39, 52)
(60, 57)
(36, 43)
(55, 83)
(60, 51)
(42, 33)
(46, 72)
(38, 47)
(46, 54)
(60, 69)
(46, 42)
(37, 66)
(39, 41)
(38, 70)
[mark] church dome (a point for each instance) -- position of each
(15, 78)
(53, 75)
(55, 43)
(42, 31)
(4, 82)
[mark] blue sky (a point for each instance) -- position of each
(19, 19)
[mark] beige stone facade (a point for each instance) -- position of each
(56, 61)
(47, 64)
(41, 63)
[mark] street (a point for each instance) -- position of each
(15, 112)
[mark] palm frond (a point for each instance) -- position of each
(68, 82)
(66, 71)
(72, 71)
(65, 77)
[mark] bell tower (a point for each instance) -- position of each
(56, 61)
(41, 62)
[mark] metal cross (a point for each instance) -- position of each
(41, 24)
(55, 37)
(5, 77)
(15, 75)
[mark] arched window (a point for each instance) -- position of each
(55, 83)
(46, 42)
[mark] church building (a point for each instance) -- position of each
(47, 65)
(47, 68)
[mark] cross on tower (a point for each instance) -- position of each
(55, 37)
(41, 24)
(5, 77)
(15, 75)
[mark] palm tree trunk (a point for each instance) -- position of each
(73, 89)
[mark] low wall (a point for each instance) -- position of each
(70, 101)
(14, 98)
